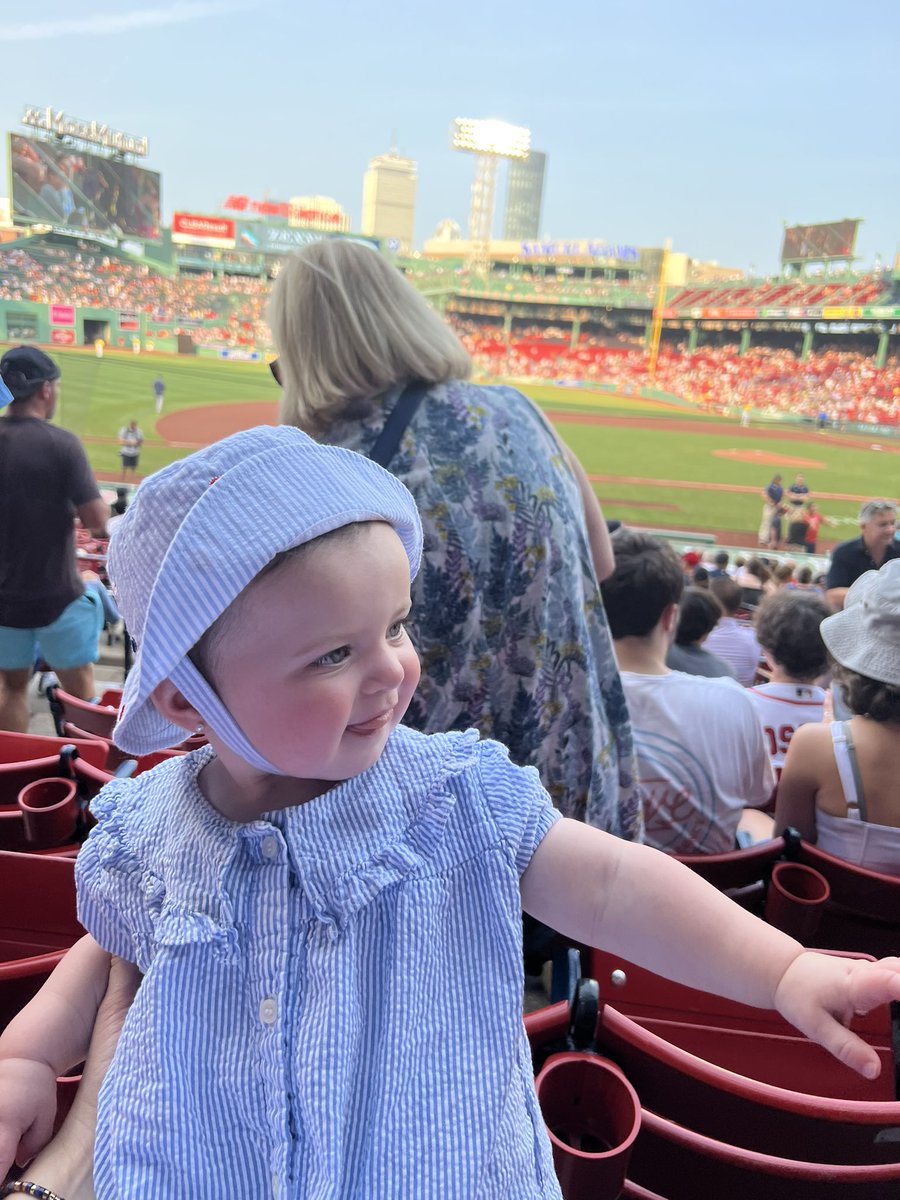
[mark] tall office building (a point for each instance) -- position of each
(524, 197)
(389, 199)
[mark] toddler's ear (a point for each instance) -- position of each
(169, 703)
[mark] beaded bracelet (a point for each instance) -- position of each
(21, 1187)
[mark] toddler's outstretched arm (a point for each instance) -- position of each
(635, 901)
(48, 1037)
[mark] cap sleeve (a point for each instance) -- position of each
(520, 807)
(116, 894)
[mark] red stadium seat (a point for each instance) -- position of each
(25, 747)
(93, 718)
(749, 1041)
(737, 1109)
(742, 874)
(680, 1164)
(863, 911)
(37, 905)
(771, 1143)
(115, 757)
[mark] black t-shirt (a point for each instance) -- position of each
(44, 477)
(852, 559)
(797, 493)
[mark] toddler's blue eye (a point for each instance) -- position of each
(333, 657)
(396, 630)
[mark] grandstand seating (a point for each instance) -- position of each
(709, 1131)
(844, 384)
(801, 293)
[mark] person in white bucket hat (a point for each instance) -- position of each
(839, 785)
(326, 905)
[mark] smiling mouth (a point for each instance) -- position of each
(366, 728)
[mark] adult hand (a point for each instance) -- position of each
(66, 1165)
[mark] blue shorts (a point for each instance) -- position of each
(72, 640)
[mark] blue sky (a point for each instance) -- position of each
(705, 122)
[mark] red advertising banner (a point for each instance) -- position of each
(129, 322)
(62, 314)
(191, 229)
(62, 337)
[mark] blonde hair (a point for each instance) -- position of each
(348, 326)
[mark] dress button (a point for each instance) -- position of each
(268, 1011)
(270, 846)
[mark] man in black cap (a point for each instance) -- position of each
(45, 480)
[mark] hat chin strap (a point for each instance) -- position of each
(201, 696)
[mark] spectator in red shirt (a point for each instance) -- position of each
(814, 521)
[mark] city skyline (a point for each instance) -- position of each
(706, 126)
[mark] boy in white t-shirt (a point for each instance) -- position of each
(787, 627)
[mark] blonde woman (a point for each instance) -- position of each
(507, 615)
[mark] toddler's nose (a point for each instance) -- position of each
(387, 671)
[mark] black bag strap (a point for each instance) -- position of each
(395, 426)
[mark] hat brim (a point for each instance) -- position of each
(224, 541)
(845, 637)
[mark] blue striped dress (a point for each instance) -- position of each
(332, 997)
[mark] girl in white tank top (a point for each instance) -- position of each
(839, 784)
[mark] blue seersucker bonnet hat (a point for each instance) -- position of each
(201, 529)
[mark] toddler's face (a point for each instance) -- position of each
(316, 666)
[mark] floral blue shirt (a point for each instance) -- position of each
(507, 616)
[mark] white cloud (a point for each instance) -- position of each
(117, 22)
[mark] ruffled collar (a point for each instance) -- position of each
(371, 832)
(345, 846)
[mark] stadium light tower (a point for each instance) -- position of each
(489, 141)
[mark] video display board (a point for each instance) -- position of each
(56, 184)
(816, 243)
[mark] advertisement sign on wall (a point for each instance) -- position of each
(62, 314)
(192, 229)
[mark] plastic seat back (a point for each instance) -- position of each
(733, 1108)
(680, 1164)
(754, 1042)
(26, 747)
(93, 718)
(863, 912)
(37, 905)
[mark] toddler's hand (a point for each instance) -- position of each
(27, 1110)
(821, 993)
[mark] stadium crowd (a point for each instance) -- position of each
(212, 308)
(844, 385)
(836, 386)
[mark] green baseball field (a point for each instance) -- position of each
(655, 464)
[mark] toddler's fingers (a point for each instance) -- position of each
(846, 1046)
(35, 1138)
(878, 984)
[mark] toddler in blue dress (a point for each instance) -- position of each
(325, 905)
